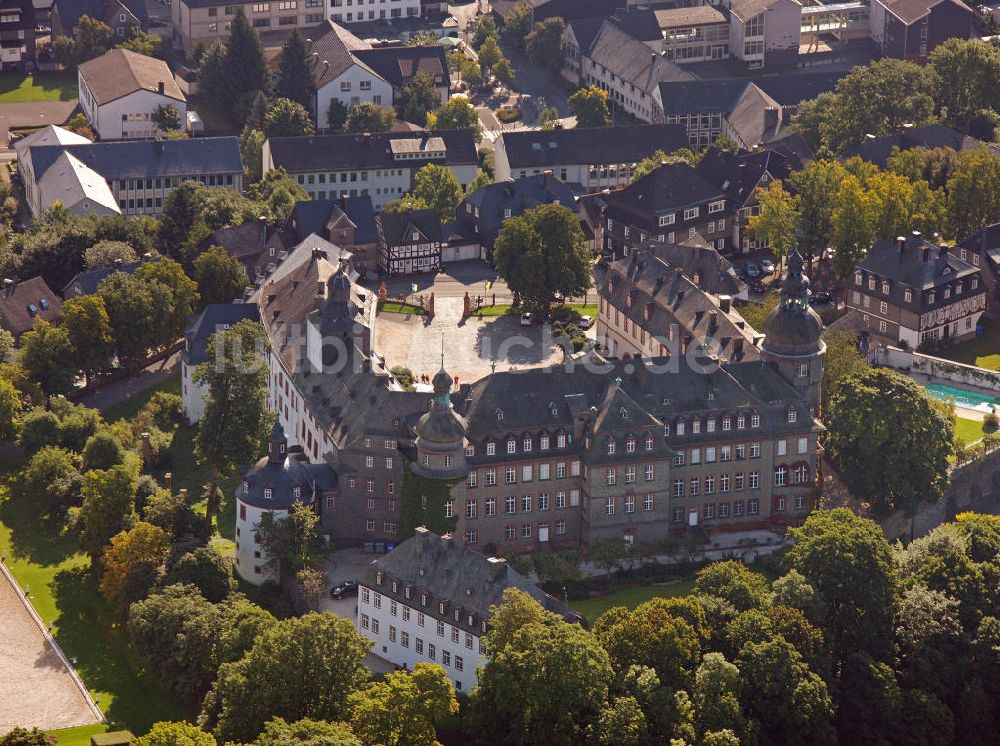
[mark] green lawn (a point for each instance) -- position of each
(42, 87)
(983, 351)
(130, 407)
(391, 306)
(592, 608)
(77, 736)
(64, 592)
(968, 431)
(497, 311)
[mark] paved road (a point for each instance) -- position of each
(118, 391)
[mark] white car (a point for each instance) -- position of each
(585, 322)
(527, 318)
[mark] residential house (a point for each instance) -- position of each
(911, 29)
(764, 33)
(23, 302)
(740, 175)
(347, 222)
(628, 70)
(130, 177)
(596, 158)
(912, 291)
(353, 71)
(379, 165)
(125, 17)
(208, 20)
(429, 601)
(481, 214)
(878, 149)
(252, 242)
(17, 35)
(87, 282)
(672, 204)
(409, 242)
(982, 250)
(120, 92)
(648, 307)
(216, 317)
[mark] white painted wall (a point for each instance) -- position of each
(138, 107)
(192, 394)
(250, 567)
(342, 12)
(395, 652)
(379, 92)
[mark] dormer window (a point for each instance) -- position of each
(871, 283)
(908, 296)
(491, 449)
(441, 607)
(681, 427)
(975, 283)
(407, 591)
(650, 443)
(423, 599)
(506, 213)
(378, 578)
(395, 586)
(885, 287)
(246, 487)
(499, 413)
(947, 292)
(696, 427)
(267, 493)
(630, 445)
(526, 444)
(470, 451)
(543, 443)
(755, 420)
(457, 614)
(667, 219)
(511, 446)
(296, 492)
(611, 447)
(792, 415)
(930, 297)
(561, 440)
(857, 278)
(727, 423)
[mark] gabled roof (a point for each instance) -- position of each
(85, 283)
(336, 46)
(747, 9)
(921, 265)
(121, 72)
(517, 196)
(700, 96)
(756, 117)
(584, 145)
(25, 301)
(620, 411)
(703, 265)
(633, 61)
(375, 150)
(792, 88)
(244, 241)
(313, 216)
(132, 159)
(68, 180)
(669, 187)
(48, 135)
(739, 174)
(398, 64)
(878, 149)
(396, 228)
(697, 15)
(639, 24)
(585, 30)
(911, 11)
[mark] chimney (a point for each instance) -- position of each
(943, 253)
(900, 245)
(725, 303)
(508, 187)
(547, 178)
(713, 321)
(161, 87)
(320, 291)
(926, 254)
(168, 482)
(183, 494)
(496, 570)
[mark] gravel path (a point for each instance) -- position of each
(36, 689)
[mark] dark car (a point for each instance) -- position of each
(820, 298)
(348, 588)
(751, 270)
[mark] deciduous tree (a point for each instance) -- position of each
(973, 192)
(279, 732)
(286, 118)
(590, 107)
(175, 734)
(544, 43)
(108, 253)
(47, 356)
(775, 223)
(291, 543)
(220, 277)
(458, 113)
(369, 117)
(137, 310)
(183, 294)
(403, 708)
(108, 506)
(88, 327)
(418, 97)
(517, 25)
(144, 547)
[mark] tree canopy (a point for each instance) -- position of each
(590, 107)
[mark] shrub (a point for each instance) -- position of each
(509, 114)
(39, 428)
(52, 476)
(404, 375)
(102, 451)
(990, 421)
(159, 447)
(165, 409)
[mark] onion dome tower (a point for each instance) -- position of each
(441, 434)
(792, 341)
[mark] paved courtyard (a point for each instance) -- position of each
(36, 687)
(472, 347)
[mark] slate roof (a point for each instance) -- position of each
(245, 241)
(909, 267)
(67, 179)
(71, 11)
(394, 228)
(632, 61)
(312, 216)
(877, 150)
(739, 174)
(657, 296)
(335, 46)
(25, 301)
(639, 24)
(911, 11)
(121, 72)
(85, 283)
(584, 145)
(398, 64)
(449, 571)
(669, 187)
(790, 89)
(756, 117)
(518, 196)
(711, 96)
(271, 483)
(339, 152)
(747, 9)
(585, 29)
(216, 316)
(130, 159)
(704, 266)
(48, 135)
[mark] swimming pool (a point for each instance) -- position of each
(963, 397)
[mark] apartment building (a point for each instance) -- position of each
(910, 290)
(17, 35)
(208, 20)
(358, 11)
(380, 165)
(910, 29)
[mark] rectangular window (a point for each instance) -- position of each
(609, 506)
(629, 503)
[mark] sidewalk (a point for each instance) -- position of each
(116, 392)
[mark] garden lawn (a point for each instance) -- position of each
(129, 408)
(16, 89)
(391, 306)
(968, 431)
(79, 736)
(497, 311)
(983, 351)
(65, 594)
(592, 608)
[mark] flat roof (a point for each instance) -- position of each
(680, 17)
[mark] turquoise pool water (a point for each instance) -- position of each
(962, 397)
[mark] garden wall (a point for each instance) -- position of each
(936, 367)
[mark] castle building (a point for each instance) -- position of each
(561, 456)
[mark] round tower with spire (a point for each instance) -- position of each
(441, 433)
(792, 341)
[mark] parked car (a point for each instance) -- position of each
(751, 270)
(527, 318)
(347, 588)
(766, 267)
(585, 322)
(820, 297)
